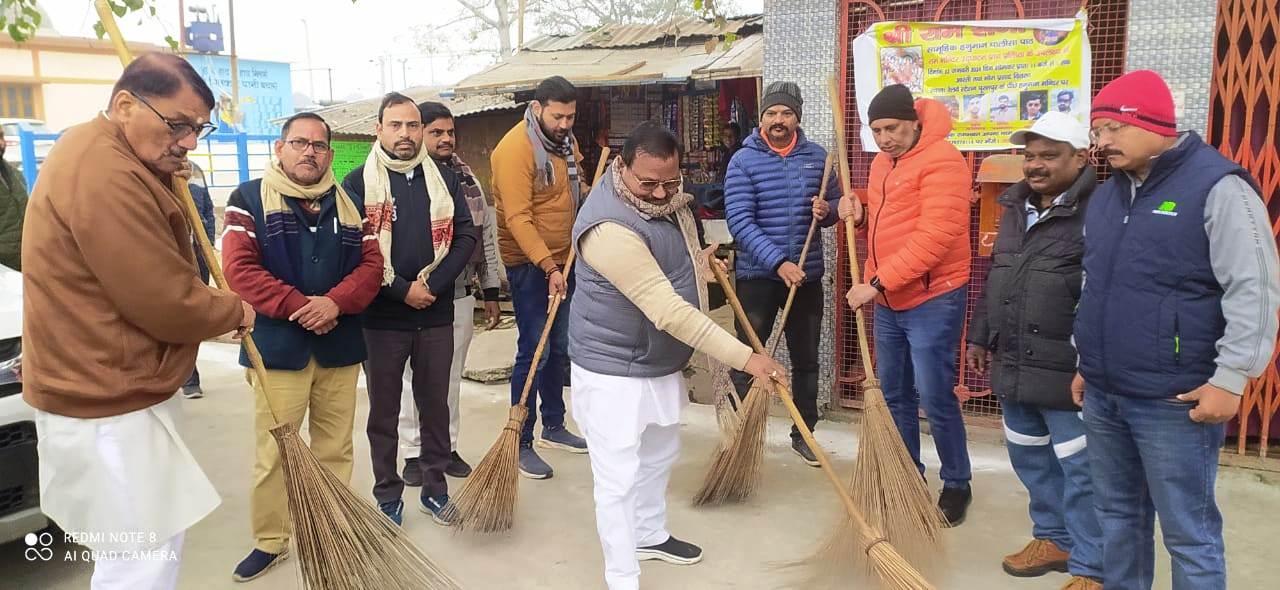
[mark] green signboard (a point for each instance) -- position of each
(347, 156)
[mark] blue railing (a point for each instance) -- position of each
(227, 159)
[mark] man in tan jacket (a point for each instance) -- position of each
(114, 312)
(537, 192)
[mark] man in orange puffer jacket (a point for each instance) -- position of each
(918, 273)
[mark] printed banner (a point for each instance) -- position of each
(995, 77)
(347, 156)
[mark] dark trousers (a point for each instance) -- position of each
(762, 299)
(529, 299)
(194, 380)
(430, 350)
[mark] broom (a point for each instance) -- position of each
(487, 501)
(885, 484)
(894, 571)
(327, 517)
(734, 474)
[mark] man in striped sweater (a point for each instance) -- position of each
(297, 248)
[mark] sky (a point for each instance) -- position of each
(349, 38)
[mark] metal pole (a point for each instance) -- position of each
(235, 64)
(520, 28)
(404, 77)
(330, 72)
(311, 74)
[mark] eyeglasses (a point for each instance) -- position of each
(670, 186)
(300, 145)
(1096, 133)
(179, 130)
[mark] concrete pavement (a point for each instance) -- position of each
(554, 545)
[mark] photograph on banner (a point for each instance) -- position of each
(995, 77)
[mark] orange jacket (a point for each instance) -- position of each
(918, 232)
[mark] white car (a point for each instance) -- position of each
(13, 146)
(19, 478)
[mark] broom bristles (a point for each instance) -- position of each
(487, 501)
(375, 553)
(887, 487)
(734, 474)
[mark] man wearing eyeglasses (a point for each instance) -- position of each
(1178, 311)
(770, 197)
(639, 316)
(423, 227)
(297, 247)
(114, 313)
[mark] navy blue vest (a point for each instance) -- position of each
(1150, 312)
(318, 261)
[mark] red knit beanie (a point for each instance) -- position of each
(1139, 98)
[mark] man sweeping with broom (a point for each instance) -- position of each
(640, 315)
(113, 315)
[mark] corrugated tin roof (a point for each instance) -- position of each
(611, 67)
(614, 36)
(360, 116)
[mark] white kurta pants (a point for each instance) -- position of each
(632, 426)
(464, 328)
(127, 487)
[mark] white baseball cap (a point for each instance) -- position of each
(1057, 126)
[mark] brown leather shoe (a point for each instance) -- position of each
(1038, 558)
(1082, 583)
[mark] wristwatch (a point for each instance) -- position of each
(875, 282)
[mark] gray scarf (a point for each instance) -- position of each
(543, 147)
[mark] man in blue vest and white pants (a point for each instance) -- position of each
(1178, 311)
(638, 315)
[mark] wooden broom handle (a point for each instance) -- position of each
(804, 255)
(556, 300)
(850, 232)
(193, 214)
(783, 392)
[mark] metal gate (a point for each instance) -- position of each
(1243, 119)
(1108, 26)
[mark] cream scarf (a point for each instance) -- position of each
(275, 184)
(380, 205)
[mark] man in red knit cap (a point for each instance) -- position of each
(1178, 311)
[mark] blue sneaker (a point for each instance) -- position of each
(394, 510)
(439, 508)
(257, 564)
(532, 466)
(559, 437)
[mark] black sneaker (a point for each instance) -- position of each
(954, 503)
(802, 448)
(258, 563)
(192, 392)
(457, 467)
(673, 551)
(412, 474)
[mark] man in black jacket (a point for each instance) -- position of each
(1023, 323)
(424, 230)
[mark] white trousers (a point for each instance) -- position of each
(632, 427)
(130, 572)
(464, 328)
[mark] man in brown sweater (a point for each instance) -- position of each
(536, 192)
(113, 315)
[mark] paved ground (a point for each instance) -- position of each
(554, 545)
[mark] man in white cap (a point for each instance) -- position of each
(1022, 329)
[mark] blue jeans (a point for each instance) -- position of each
(916, 354)
(1148, 457)
(529, 298)
(1047, 449)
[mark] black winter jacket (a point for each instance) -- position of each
(1025, 314)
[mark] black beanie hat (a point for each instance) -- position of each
(784, 93)
(894, 102)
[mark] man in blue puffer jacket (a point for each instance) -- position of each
(770, 198)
